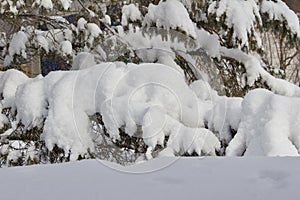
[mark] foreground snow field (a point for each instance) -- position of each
(163, 178)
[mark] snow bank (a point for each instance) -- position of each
(270, 126)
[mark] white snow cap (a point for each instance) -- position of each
(170, 14)
(46, 4)
(240, 15)
(130, 12)
(17, 46)
(278, 10)
(66, 48)
(66, 4)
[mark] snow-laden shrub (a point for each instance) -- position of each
(239, 17)
(146, 108)
(224, 118)
(270, 126)
(130, 13)
(137, 100)
(134, 109)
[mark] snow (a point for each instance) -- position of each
(130, 12)
(255, 70)
(203, 90)
(225, 116)
(17, 46)
(51, 40)
(66, 4)
(240, 15)
(93, 29)
(200, 140)
(209, 42)
(107, 19)
(9, 82)
(269, 126)
(128, 96)
(151, 47)
(280, 11)
(125, 95)
(66, 48)
(46, 4)
(163, 178)
(42, 42)
(91, 34)
(14, 156)
(31, 110)
(83, 60)
(170, 14)
(81, 23)
(155, 98)
(12, 7)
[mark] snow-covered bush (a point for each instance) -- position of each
(119, 109)
(242, 25)
(135, 98)
(269, 126)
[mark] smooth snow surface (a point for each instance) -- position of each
(184, 178)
